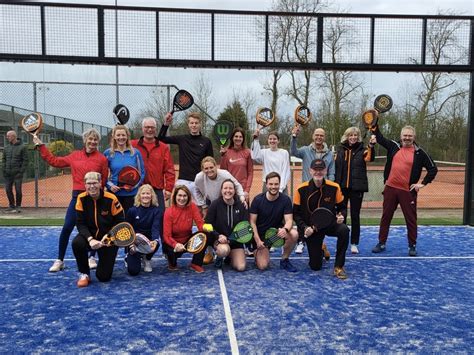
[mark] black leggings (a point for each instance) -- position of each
(173, 257)
(355, 198)
(315, 242)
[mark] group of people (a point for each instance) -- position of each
(205, 194)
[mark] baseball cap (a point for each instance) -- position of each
(318, 164)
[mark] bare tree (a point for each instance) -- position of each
(439, 89)
(340, 86)
(202, 93)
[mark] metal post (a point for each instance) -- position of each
(35, 154)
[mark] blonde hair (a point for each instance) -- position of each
(348, 132)
(154, 199)
(208, 159)
(113, 142)
(93, 175)
(195, 115)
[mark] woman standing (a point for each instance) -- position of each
(237, 160)
(145, 216)
(81, 162)
(119, 155)
(351, 175)
(177, 229)
(224, 213)
(273, 159)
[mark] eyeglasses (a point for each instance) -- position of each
(92, 183)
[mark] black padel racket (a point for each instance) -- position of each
(182, 101)
(121, 113)
(322, 219)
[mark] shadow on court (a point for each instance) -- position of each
(389, 303)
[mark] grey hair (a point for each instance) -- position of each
(90, 132)
(148, 118)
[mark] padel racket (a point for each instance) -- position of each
(121, 113)
(144, 245)
(265, 117)
(182, 101)
(271, 239)
(242, 232)
(196, 243)
(370, 118)
(383, 103)
(302, 115)
(322, 219)
(121, 235)
(222, 131)
(32, 123)
(128, 177)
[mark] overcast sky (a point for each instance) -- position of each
(225, 82)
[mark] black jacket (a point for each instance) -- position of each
(15, 159)
(351, 167)
(420, 161)
(192, 149)
(96, 217)
(308, 197)
(224, 217)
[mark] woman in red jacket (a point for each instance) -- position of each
(177, 229)
(81, 162)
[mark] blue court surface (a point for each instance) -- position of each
(390, 303)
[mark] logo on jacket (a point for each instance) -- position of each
(232, 161)
(104, 213)
(327, 199)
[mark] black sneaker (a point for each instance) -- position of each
(412, 250)
(285, 264)
(218, 262)
(380, 247)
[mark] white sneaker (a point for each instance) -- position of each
(147, 265)
(92, 263)
(354, 249)
(299, 248)
(58, 265)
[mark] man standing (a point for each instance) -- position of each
(158, 162)
(97, 212)
(15, 161)
(318, 149)
(272, 209)
(405, 161)
(315, 193)
(193, 148)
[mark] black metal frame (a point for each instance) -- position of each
(468, 217)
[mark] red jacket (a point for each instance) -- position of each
(178, 223)
(80, 163)
(159, 165)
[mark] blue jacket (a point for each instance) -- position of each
(308, 154)
(145, 220)
(120, 160)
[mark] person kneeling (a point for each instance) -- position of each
(310, 195)
(97, 212)
(177, 228)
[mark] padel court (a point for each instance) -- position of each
(390, 302)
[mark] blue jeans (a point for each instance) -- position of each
(69, 224)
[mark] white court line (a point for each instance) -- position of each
(228, 315)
